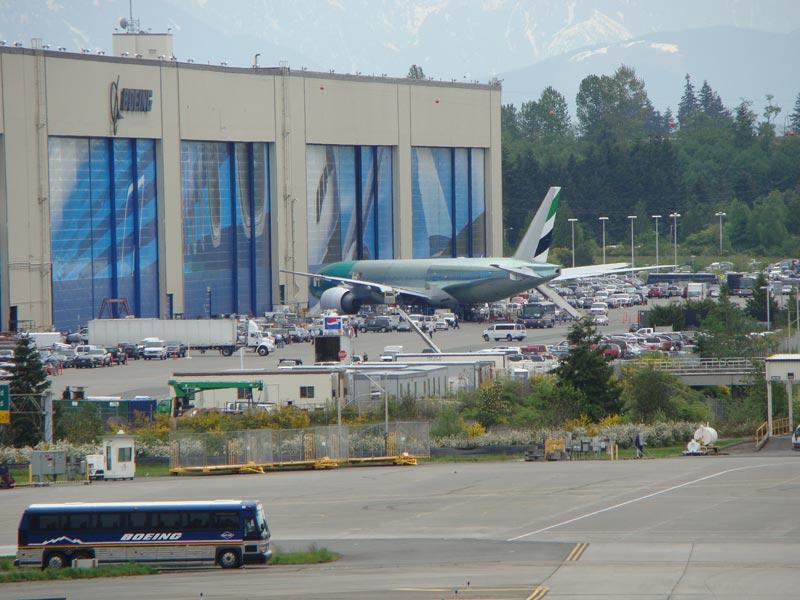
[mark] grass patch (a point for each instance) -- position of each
(473, 458)
(6, 563)
(311, 556)
(160, 469)
(11, 575)
(677, 450)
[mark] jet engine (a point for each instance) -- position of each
(340, 299)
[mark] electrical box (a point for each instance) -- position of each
(48, 463)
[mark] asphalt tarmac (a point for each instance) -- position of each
(683, 529)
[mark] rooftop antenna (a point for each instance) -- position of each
(129, 24)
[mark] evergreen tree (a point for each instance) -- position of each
(589, 371)
(415, 72)
(744, 123)
(711, 103)
(794, 118)
(688, 106)
(27, 386)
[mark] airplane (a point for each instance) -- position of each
(446, 282)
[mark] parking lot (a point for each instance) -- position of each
(149, 377)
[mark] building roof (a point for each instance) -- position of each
(784, 358)
(270, 71)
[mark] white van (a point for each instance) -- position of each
(505, 331)
(599, 308)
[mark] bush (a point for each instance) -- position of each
(447, 423)
(659, 434)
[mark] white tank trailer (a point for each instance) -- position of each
(703, 439)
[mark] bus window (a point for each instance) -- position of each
(109, 520)
(251, 530)
(138, 520)
(80, 521)
(199, 519)
(171, 520)
(226, 520)
(46, 522)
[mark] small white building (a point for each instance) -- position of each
(120, 456)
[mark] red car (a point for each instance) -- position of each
(654, 292)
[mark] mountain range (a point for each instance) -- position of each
(529, 43)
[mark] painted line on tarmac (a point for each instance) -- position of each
(462, 590)
(639, 499)
(539, 592)
(576, 553)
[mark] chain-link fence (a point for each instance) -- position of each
(268, 446)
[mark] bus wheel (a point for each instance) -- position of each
(229, 559)
(56, 560)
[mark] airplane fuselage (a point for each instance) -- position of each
(445, 281)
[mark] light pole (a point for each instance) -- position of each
(767, 288)
(656, 217)
(572, 226)
(720, 215)
(603, 221)
(632, 218)
(674, 216)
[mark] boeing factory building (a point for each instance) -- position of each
(186, 188)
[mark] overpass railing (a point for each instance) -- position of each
(698, 366)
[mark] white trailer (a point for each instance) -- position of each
(45, 339)
(200, 334)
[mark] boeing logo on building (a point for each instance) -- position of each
(128, 100)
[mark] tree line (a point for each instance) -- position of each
(621, 156)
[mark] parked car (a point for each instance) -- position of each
(505, 331)
(154, 349)
(611, 350)
(382, 324)
(298, 334)
(118, 356)
(600, 320)
(403, 325)
(95, 356)
(130, 351)
(176, 349)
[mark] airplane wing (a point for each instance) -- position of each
(363, 287)
(597, 270)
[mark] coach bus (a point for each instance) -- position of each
(228, 533)
(655, 278)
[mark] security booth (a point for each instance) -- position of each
(120, 456)
(781, 368)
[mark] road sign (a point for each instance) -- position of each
(5, 405)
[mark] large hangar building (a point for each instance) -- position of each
(186, 188)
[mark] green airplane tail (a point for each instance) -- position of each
(536, 242)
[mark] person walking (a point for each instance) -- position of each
(638, 443)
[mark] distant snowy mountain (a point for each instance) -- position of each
(450, 39)
(738, 63)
